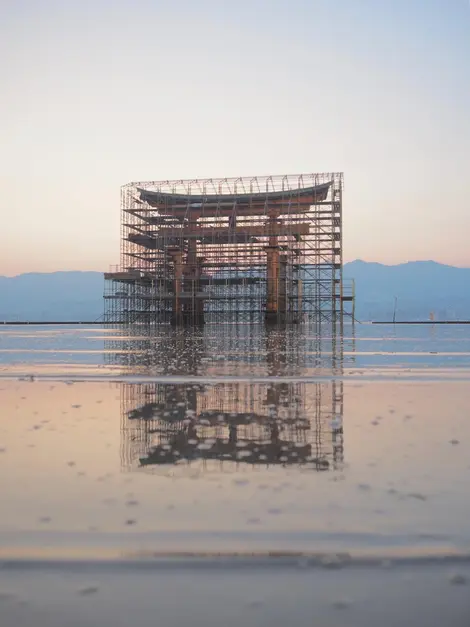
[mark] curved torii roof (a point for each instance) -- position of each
(317, 193)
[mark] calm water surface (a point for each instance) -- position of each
(343, 462)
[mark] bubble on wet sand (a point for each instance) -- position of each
(243, 454)
(336, 423)
(457, 579)
(254, 604)
(88, 590)
(253, 521)
(241, 482)
(342, 604)
(204, 446)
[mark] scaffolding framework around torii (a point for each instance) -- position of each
(230, 250)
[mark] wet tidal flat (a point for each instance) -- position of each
(340, 463)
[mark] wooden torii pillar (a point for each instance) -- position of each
(176, 255)
(276, 276)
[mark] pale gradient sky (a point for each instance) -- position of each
(97, 93)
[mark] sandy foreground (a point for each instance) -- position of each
(213, 594)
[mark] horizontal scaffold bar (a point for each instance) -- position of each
(223, 297)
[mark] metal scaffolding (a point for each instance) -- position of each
(262, 414)
(233, 250)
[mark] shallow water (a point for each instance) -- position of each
(234, 443)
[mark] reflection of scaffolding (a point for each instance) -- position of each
(243, 249)
(275, 421)
(216, 350)
(278, 423)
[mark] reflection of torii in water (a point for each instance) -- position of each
(187, 444)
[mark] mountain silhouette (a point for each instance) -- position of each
(417, 287)
(64, 296)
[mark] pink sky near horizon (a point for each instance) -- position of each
(387, 105)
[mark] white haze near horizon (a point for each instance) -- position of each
(96, 94)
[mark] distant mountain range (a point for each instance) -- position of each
(52, 296)
(420, 287)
